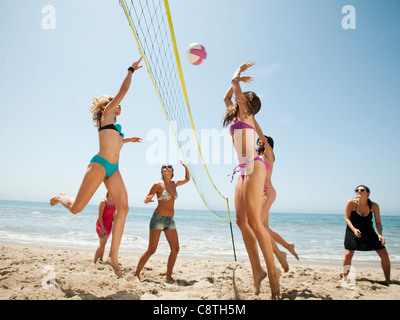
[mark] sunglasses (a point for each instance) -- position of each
(360, 190)
(169, 167)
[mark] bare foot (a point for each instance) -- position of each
(55, 200)
(116, 267)
(136, 278)
(275, 286)
(283, 261)
(291, 250)
(170, 280)
(257, 278)
(97, 258)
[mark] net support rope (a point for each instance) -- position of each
(151, 24)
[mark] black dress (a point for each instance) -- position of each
(369, 239)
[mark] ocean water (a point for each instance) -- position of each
(317, 237)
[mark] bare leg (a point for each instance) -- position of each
(253, 199)
(154, 238)
(100, 250)
(385, 263)
(115, 185)
(94, 176)
(172, 238)
(348, 255)
(249, 238)
(269, 198)
(289, 246)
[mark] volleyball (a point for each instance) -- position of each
(196, 53)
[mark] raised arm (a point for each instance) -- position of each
(187, 176)
(261, 135)
(237, 91)
(229, 94)
(123, 90)
(228, 97)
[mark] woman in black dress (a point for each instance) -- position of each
(360, 233)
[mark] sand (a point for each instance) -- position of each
(29, 272)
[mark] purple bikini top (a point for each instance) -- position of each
(237, 124)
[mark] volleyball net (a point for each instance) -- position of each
(151, 24)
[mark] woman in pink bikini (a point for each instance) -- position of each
(250, 185)
(104, 225)
(163, 218)
(265, 149)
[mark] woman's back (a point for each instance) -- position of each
(243, 135)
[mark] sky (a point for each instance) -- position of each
(330, 96)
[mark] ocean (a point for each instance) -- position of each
(318, 238)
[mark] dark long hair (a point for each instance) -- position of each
(261, 150)
(366, 188)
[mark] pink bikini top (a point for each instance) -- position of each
(267, 165)
(108, 213)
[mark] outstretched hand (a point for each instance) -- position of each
(136, 65)
(136, 139)
(246, 79)
(237, 77)
(182, 163)
(149, 198)
(246, 65)
(132, 139)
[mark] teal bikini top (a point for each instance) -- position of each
(114, 126)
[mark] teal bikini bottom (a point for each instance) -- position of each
(110, 167)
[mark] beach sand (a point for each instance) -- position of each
(26, 270)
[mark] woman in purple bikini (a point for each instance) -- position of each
(250, 184)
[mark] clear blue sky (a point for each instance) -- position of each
(330, 96)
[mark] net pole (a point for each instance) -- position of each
(230, 224)
(233, 241)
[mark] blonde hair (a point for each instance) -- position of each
(97, 107)
(253, 106)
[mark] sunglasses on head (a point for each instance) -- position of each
(168, 166)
